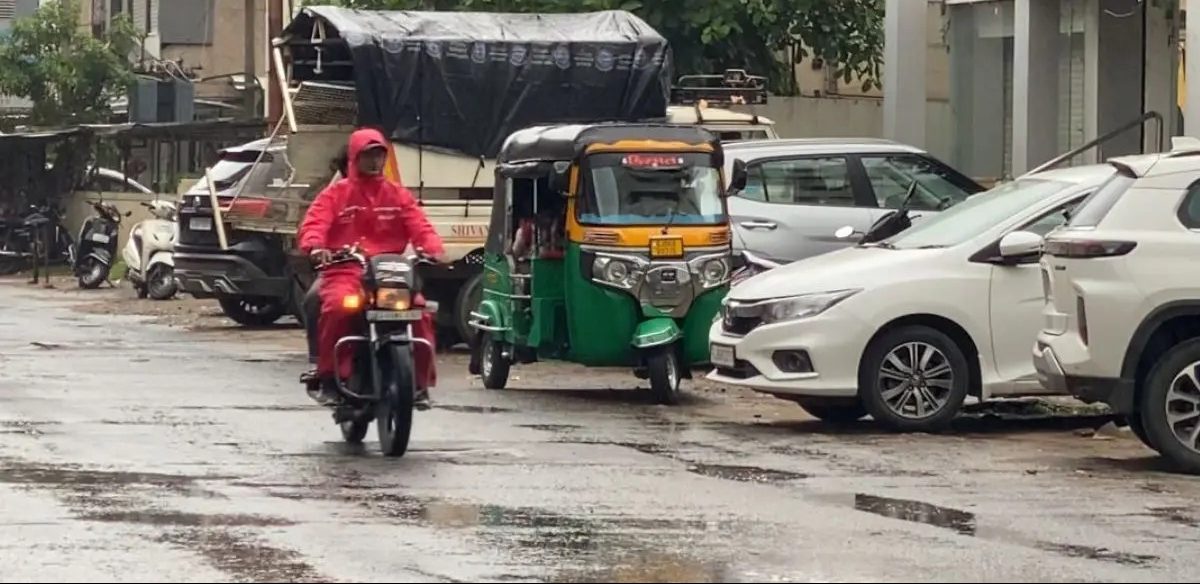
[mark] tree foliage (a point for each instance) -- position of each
(762, 36)
(69, 75)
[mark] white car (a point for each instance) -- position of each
(1122, 312)
(906, 328)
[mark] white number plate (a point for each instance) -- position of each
(100, 237)
(385, 315)
(200, 224)
(722, 355)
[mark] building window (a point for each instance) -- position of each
(186, 22)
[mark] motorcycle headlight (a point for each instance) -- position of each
(614, 272)
(805, 305)
(713, 273)
(393, 299)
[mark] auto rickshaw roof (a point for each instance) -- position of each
(568, 141)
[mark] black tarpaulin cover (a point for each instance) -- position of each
(466, 80)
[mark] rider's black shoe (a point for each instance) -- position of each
(421, 400)
(324, 391)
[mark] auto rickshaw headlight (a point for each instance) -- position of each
(393, 299)
(713, 273)
(614, 272)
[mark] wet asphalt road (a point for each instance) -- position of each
(133, 452)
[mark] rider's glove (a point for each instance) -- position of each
(320, 256)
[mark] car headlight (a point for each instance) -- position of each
(615, 272)
(713, 273)
(393, 299)
(804, 306)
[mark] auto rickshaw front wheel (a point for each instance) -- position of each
(663, 367)
(493, 362)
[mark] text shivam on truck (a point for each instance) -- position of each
(448, 99)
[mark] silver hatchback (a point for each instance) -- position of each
(800, 191)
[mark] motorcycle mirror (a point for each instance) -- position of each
(844, 232)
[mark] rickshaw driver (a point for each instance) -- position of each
(382, 217)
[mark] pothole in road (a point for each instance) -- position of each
(965, 523)
(745, 474)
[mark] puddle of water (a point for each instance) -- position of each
(1178, 515)
(745, 474)
(178, 518)
(20, 473)
(1095, 553)
(244, 559)
(964, 523)
(550, 427)
(471, 409)
(279, 408)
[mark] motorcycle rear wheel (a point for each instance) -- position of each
(394, 412)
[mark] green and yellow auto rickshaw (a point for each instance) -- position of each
(609, 245)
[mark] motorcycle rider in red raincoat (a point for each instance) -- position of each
(382, 217)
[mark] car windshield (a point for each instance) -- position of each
(976, 214)
(651, 189)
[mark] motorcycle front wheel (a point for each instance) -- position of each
(394, 412)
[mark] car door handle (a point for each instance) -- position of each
(759, 224)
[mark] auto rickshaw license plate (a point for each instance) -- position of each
(666, 247)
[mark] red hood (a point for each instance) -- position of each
(359, 141)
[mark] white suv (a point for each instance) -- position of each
(1122, 314)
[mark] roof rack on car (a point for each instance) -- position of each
(733, 87)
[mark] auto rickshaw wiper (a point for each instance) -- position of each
(671, 217)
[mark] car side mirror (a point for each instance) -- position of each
(1020, 246)
(737, 180)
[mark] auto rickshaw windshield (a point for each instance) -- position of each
(651, 189)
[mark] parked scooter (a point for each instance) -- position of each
(97, 245)
(149, 252)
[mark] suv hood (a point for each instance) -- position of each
(853, 267)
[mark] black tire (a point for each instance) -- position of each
(872, 385)
(834, 413)
(1155, 400)
(663, 367)
(1139, 430)
(160, 282)
(467, 300)
(253, 311)
(493, 366)
(92, 273)
(353, 431)
(394, 412)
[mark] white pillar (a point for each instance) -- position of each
(1191, 110)
(1035, 83)
(904, 52)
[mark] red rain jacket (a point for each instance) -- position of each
(381, 216)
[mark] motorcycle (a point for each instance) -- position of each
(148, 255)
(752, 265)
(97, 245)
(383, 384)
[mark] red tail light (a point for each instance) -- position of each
(1087, 248)
(249, 207)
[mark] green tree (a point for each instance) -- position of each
(69, 75)
(763, 36)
